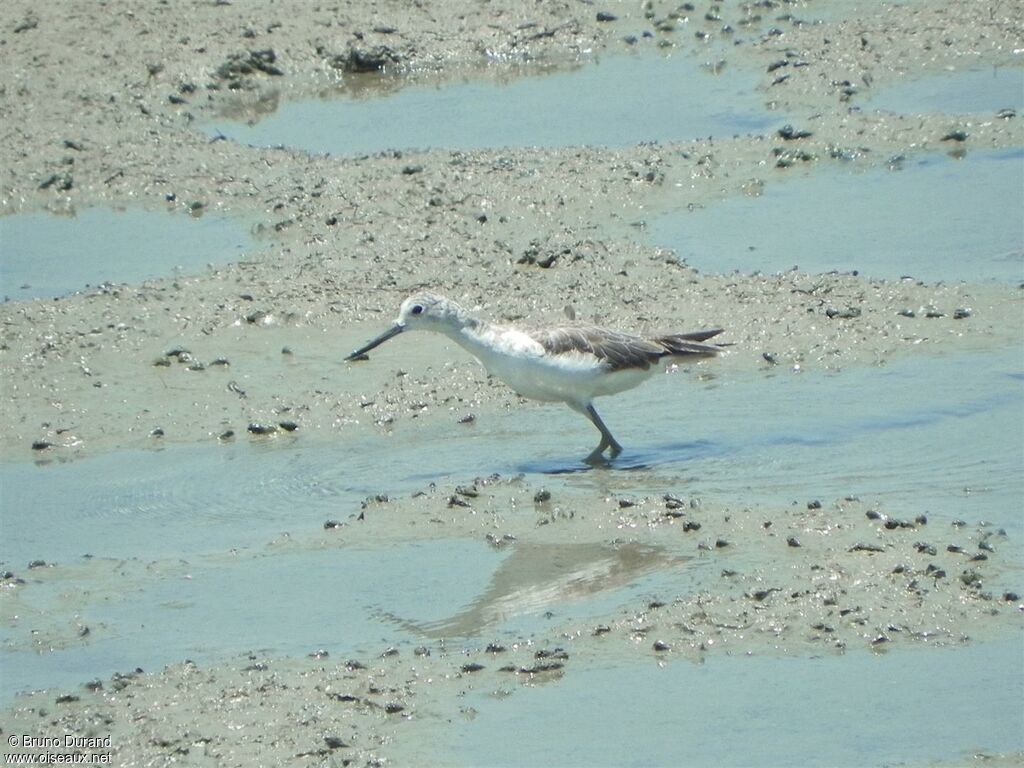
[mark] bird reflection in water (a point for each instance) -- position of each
(536, 577)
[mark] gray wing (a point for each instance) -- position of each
(623, 350)
(616, 350)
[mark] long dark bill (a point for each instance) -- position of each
(360, 354)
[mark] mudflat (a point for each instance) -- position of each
(102, 106)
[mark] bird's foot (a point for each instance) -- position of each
(597, 457)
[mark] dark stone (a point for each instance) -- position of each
(673, 502)
(249, 63)
(843, 314)
(866, 548)
(554, 653)
(62, 182)
(366, 59)
(789, 133)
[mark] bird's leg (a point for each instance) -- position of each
(607, 441)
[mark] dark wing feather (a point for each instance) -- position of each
(689, 344)
(617, 350)
(622, 350)
(695, 335)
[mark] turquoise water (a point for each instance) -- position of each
(148, 543)
(990, 90)
(933, 218)
(609, 101)
(942, 436)
(917, 432)
(857, 710)
(43, 256)
(269, 601)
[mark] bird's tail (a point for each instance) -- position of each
(690, 344)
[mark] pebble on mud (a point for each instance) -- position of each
(789, 133)
(261, 429)
(361, 58)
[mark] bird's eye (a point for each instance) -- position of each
(417, 309)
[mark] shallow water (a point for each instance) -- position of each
(273, 601)
(200, 528)
(43, 256)
(932, 217)
(967, 91)
(610, 101)
(182, 537)
(941, 436)
(860, 709)
(918, 432)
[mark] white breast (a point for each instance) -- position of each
(522, 363)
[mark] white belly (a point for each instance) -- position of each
(575, 378)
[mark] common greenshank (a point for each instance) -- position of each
(571, 363)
